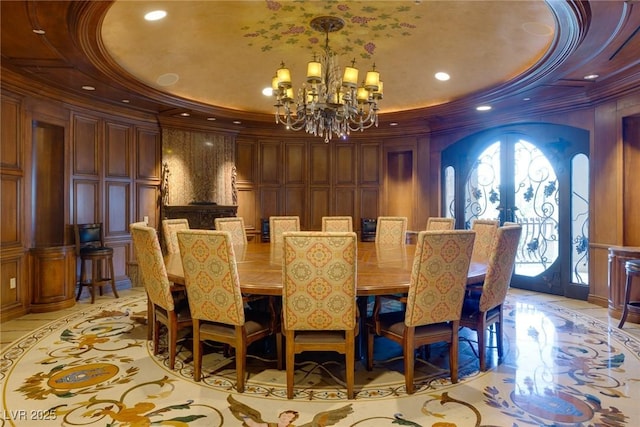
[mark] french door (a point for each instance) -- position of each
(538, 176)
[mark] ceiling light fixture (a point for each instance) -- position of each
(329, 104)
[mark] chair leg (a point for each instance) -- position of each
(453, 353)
(409, 359)
(350, 366)
(82, 279)
(150, 319)
(156, 335)
(172, 332)
(197, 351)
(94, 279)
(627, 297)
(290, 367)
(113, 278)
(241, 359)
(482, 349)
(279, 339)
(499, 339)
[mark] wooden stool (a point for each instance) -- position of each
(633, 269)
(90, 248)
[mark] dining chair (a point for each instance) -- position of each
(440, 223)
(90, 248)
(216, 303)
(171, 312)
(433, 303)
(280, 224)
(169, 229)
(337, 223)
(234, 225)
(485, 239)
(319, 298)
(391, 230)
(483, 303)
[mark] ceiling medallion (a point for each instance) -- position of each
(330, 103)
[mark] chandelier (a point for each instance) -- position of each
(329, 103)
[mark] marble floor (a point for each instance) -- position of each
(588, 368)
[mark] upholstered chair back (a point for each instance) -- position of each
(280, 224)
(438, 223)
(234, 225)
(211, 276)
(485, 239)
(500, 268)
(391, 230)
(151, 268)
(439, 276)
(337, 223)
(319, 274)
(169, 229)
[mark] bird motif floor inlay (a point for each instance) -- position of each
(561, 368)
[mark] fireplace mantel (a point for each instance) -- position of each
(200, 216)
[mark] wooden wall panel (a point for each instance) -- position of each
(147, 204)
(11, 202)
(85, 147)
(631, 211)
(320, 169)
(11, 268)
(269, 201)
(369, 202)
(399, 184)
(294, 164)
(270, 163)
(246, 161)
(10, 150)
(318, 207)
(118, 208)
(247, 208)
(370, 164)
(295, 203)
(344, 203)
(148, 154)
(345, 161)
(118, 150)
(86, 201)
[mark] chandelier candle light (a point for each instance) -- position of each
(327, 105)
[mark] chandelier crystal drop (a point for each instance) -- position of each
(330, 103)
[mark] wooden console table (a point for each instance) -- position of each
(618, 255)
(200, 216)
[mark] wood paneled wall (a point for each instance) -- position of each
(63, 164)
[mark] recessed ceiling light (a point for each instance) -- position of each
(126, 101)
(591, 76)
(87, 87)
(267, 91)
(168, 79)
(442, 76)
(483, 107)
(38, 31)
(526, 99)
(155, 15)
(237, 122)
(211, 119)
(393, 124)
(185, 114)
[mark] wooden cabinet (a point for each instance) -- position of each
(53, 278)
(618, 256)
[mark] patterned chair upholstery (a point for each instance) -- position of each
(434, 301)
(483, 304)
(319, 297)
(234, 225)
(485, 239)
(216, 303)
(337, 223)
(280, 224)
(163, 307)
(169, 229)
(391, 230)
(438, 223)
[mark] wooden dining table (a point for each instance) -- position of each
(381, 270)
